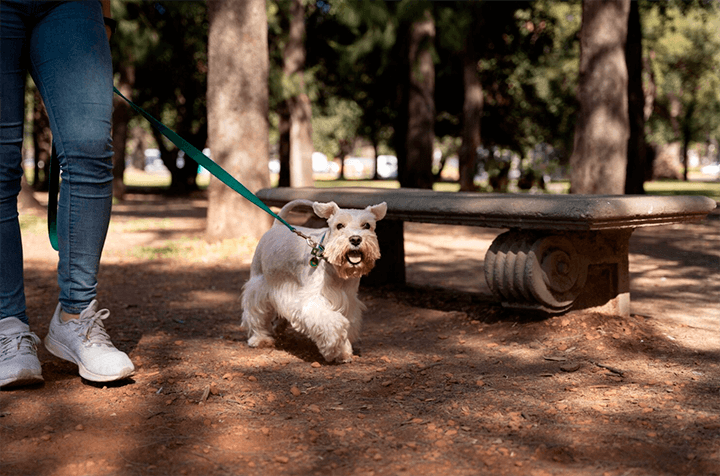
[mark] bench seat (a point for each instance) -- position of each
(560, 253)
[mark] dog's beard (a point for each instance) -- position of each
(353, 262)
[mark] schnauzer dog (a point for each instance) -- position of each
(318, 300)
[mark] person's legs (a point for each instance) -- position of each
(71, 65)
(13, 72)
(19, 364)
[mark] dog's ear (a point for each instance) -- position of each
(378, 210)
(325, 210)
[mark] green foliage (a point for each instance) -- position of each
(683, 48)
(166, 43)
(527, 56)
(527, 60)
(350, 46)
(335, 124)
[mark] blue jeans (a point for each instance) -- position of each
(65, 48)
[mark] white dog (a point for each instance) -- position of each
(318, 301)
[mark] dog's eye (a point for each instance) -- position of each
(366, 226)
(340, 226)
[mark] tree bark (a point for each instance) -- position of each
(599, 158)
(238, 114)
(121, 117)
(686, 136)
(417, 171)
(472, 115)
(637, 146)
(284, 145)
(298, 104)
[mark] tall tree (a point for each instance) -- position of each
(298, 113)
(415, 168)
(238, 114)
(121, 118)
(599, 157)
(685, 57)
(349, 51)
(637, 146)
(169, 47)
(472, 116)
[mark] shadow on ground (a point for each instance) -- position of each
(446, 382)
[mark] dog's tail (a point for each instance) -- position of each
(290, 205)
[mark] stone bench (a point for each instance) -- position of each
(560, 253)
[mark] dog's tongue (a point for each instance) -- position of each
(354, 257)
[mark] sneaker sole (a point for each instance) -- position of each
(25, 377)
(61, 351)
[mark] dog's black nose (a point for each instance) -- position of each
(355, 240)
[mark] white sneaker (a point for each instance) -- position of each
(85, 342)
(19, 364)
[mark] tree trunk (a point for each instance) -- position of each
(301, 144)
(417, 171)
(686, 136)
(637, 147)
(472, 115)
(650, 94)
(183, 180)
(599, 158)
(238, 114)
(121, 117)
(284, 146)
(299, 111)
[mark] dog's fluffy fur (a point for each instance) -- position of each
(319, 302)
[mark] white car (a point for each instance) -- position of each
(712, 169)
(387, 166)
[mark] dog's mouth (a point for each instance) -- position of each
(354, 257)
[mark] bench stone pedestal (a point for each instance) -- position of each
(560, 253)
(555, 272)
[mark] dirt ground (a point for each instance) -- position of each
(447, 382)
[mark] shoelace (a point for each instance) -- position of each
(92, 329)
(23, 343)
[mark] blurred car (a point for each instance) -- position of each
(712, 169)
(387, 166)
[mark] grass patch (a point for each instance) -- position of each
(151, 253)
(392, 184)
(679, 187)
(137, 225)
(196, 250)
(140, 179)
(664, 187)
(33, 224)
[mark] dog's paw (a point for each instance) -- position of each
(341, 353)
(261, 341)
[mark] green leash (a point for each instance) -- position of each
(202, 159)
(53, 198)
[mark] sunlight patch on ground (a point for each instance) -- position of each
(212, 297)
(192, 250)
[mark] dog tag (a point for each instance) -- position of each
(316, 253)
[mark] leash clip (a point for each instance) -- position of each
(317, 249)
(317, 253)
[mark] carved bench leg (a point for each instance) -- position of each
(555, 272)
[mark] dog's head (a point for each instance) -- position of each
(351, 245)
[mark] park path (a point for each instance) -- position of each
(446, 383)
(674, 271)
